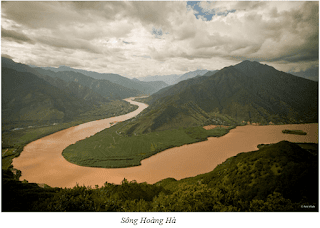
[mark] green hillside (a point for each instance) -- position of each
(247, 92)
(105, 88)
(111, 148)
(26, 97)
(141, 86)
(282, 177)
(35, 105)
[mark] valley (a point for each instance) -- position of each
(42, 160)
(67, 130)
(160, 106)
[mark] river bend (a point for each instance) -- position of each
(41, 161)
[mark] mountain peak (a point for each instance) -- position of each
(247, 66)
(249, 63)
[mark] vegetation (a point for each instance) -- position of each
(295, 132)
(247, 92)
(279, 177)
(13, 140)
(123, 83)
(113, 148)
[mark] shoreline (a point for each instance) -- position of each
(175, 162)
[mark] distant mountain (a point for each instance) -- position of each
(312, 73)
(210, 73)
(105, 88)
(190, 74)
(168, 79)
(246, 92)
(143, 87)
(175, 78)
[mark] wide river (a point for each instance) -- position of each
(41, 161)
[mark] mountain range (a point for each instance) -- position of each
(36, 94)
(143, 87)
(246, 92)
(174, 78)
(169, 79)
(26, 97)
(311, 73)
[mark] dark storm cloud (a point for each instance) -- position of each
(118, 32)
(68, 43)
(46, 14)
(15, 36)
(52, 14)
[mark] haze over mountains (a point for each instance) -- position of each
(311, 73)
(174, 78)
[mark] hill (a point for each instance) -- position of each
(279, 177)
(35, 105)
(26, 97)
(105, 88)
(142, 87)
(168, 79)
(247, 92)
(190, 74)
(312, 73)
(76, 89)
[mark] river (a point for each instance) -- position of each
(41, 161)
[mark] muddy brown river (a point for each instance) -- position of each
(42, 162)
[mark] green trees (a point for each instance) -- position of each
(243, 183)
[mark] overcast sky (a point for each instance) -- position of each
(137, 39)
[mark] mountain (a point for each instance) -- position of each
(247, 92)
(102, 87)
(190, 74)
(76, 89)
(82, 86)
(33, 96)
(168, 79)
(312, 73)
(143, 87)
(26, 97)
(175, 78)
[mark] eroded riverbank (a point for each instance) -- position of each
(42, 162)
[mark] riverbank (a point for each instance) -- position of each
(43, 162)
(15, 140)
(111, 148)
(277, 177)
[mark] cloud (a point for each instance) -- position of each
(6, 56)
(106, 36)
(15, 36)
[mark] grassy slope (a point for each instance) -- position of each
(111, 148)
(14, 141)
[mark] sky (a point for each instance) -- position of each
(139, 38)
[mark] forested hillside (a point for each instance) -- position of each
(141, 86)
(247, 92)
(278, 177)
